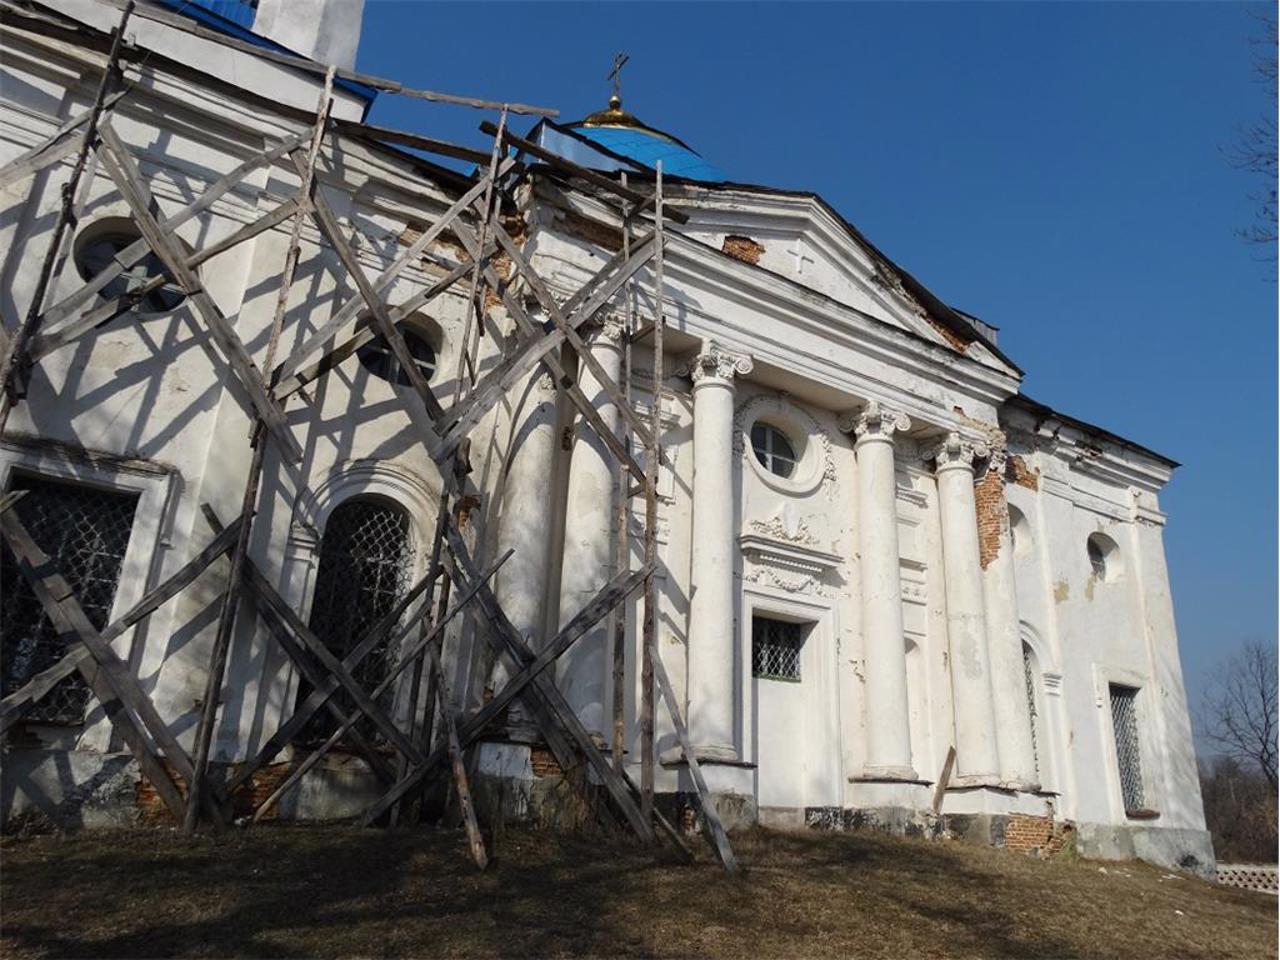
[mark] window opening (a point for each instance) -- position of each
(364, 568)
(85, 531)
(377, 358)
(1124, 718)
(775, 649)
(773, 449)
(98, 250)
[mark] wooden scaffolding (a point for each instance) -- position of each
(454, 582)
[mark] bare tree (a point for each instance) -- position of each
(1239, 709)
(1255, 146)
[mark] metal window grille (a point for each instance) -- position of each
(1029, 673)
(775, 649)
(85, 531)
(364, 567)
(773, 449)
(1124, 718)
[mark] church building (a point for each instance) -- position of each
(893, 591)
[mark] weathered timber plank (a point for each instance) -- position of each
(471, 727)
(44, 681)
(107, 675)
(124, 173)
(348, 311)
(405, 660)
(43, 344)
(133, 253)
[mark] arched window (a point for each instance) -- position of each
(365, 558)
(1104, 557)
(773, 449)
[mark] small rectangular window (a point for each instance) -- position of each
(775, 649)
(1124, 719)
(85, 531)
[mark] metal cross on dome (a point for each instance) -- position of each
(619, 61)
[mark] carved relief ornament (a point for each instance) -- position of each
(956, 450)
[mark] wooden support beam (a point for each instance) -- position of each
(549, 361)
(164, 16)
(591, 176)
(125, 174)
(585, 356)
(464, 416)
(715, 829)
(409, 657)
(509, 642)
(249, 499)
(328, 224)
(16, 346)
(117, 689)
(133, 254)
(473, 726)
(349, 310)
(321, 692)
(416, 140)
(54, 147)
(43, 344)
(11, 707)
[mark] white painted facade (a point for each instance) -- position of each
(913, 625)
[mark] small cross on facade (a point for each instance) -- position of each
(801, 259)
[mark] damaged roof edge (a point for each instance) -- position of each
(950, 318)
(1045, 412)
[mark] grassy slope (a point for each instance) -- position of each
(307, 891)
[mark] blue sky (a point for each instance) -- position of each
(1055, 169)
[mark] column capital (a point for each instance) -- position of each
(713, 362)
(874, 421)
(956, 450)
(607, 329)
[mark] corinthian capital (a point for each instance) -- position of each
(958, 451)
(608, 329)
(875, 421)
(713, 361)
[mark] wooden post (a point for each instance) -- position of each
(249, 500)
(16, 347)
(652, 452)
(622, 530)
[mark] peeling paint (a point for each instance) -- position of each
(1061, 591)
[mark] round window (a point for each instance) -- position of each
(377, 358)
(773, 449)
(97, 250)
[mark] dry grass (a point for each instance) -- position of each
(311, 891)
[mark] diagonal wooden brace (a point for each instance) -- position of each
(125, 174)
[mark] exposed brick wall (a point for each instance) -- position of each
(593, 231)
(743, 248)
(993, 515)
(953, 338)
(244, 802)
(544, 762)
(1042, 835)
(1016, 471)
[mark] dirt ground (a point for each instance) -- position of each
(336, 891)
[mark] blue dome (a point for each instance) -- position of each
(621, 133)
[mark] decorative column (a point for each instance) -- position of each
(589, 534)
(525, 526)
(713, 664)
(880, 574)
(976, 752)
(1004, 638)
